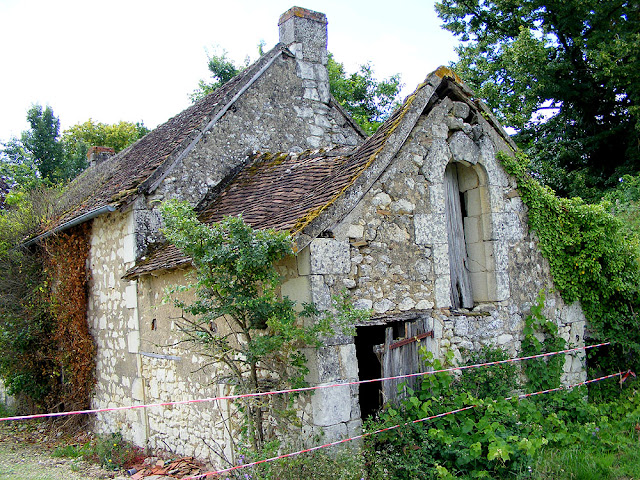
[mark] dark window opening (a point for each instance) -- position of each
(154, 324)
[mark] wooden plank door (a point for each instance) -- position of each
(400, 356)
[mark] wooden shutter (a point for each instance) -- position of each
(461, 294)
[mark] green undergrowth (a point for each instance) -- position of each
(531, 438)
(110, 451)
(594, 259)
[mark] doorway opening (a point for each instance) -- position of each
(387, 350)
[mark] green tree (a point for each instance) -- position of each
(222, 70)
(369, 101)
(42, 143)
(239, 320)
(574, 61)
(77, 139)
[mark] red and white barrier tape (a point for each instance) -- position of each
(296, 390)
(216, 473)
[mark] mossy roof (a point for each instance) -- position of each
(289, 191)
(120, 179)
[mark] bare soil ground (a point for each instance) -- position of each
(26, 453)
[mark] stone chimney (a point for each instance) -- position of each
(304, 32)
(97, 155)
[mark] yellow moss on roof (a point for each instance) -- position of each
(305, 220)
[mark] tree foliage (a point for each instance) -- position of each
(239, 320)
(41, 156)
(368, 100)
(222, 70)
(574, 61)
(77, 140)
(42, 141)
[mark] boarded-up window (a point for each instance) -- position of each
(461, 293)
(468, 212)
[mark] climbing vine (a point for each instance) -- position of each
(542, 373)
(592, 258)
(75, 349)
(48, 354)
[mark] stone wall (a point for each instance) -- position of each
(112, 315)
(391, 251)
(172, 370)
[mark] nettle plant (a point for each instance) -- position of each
(251, 334)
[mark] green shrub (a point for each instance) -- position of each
(495, 381)
(110, 451)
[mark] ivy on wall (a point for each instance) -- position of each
(48, 354)
(75, 349)
(593, 259)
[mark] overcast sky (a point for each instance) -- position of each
(138, 60)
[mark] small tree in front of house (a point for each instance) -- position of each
(239, 319)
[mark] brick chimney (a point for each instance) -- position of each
(304, 32)
(97, 155)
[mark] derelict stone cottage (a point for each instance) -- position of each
(418, 222)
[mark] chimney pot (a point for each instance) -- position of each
(96, 155)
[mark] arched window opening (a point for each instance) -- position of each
(468, 215)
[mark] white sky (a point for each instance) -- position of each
(138, 60)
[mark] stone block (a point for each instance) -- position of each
(331, 405)
(137, 389)
(383, 305)
(463, 149)
(430, 228)
(480, 286)
(320, 294)
(436, 160)
(573, 313)
(424, 305)
(402, 206)
(355, 231)
(460, 110)
(129, 248)
(461, 326)
(131, 294)
(474, 202)
(503, 290)
(329, 256)
(477, 258)
(133, 341)
(297, 289)
(407, 303)
(443, 291)
(441, 259)
(576, 336)
(305, 70)
(436, 198)
(363, 304)
(472, 230)
(348, 360)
